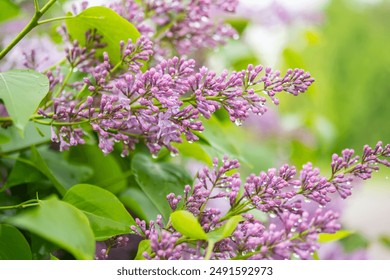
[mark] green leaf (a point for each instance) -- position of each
(21, 92)
(8, 10)
(112, 26)
(40, 163)
(107, 215)
(31, 137)
(196, 151)
(187, 224)
(158, 179)
(329, 237)
(354, 242)
(225, 230)
(60, 223)
(385, 240)
(22, 173)
(4, 138)
(139, 204)
(13, 244)
(217, 140)
(68, 174)
(107, 172)
(143, 246)
(53, 258)
(41, 248)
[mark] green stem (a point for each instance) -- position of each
(30, 26)
(65, 82)
(210, 248)
(25, 204)
(53, 19)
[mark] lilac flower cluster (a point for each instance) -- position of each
(290, 232)
(161, 104)
(186, 25)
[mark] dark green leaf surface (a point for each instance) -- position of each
(22, 173)
(139, 204)
(39, 162)
(31, 137)
(13, 245)
(158, 179)
(107, 172)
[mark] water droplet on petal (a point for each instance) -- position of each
(154, 156)
(238, 122)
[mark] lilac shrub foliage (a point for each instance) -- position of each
(158, 95)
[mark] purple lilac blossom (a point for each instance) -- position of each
(163, 103)
(292, 232)
(185, 25)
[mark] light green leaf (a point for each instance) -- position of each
(13, 244)
(8, 10)
(21, 92)
(60, 223)
(112, 26)
(4, 138)
(143, 246)
(158, 179)
(107, 215)
(329, 237)
(187, 224)
(225, 230)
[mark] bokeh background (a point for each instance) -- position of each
(345, 45)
